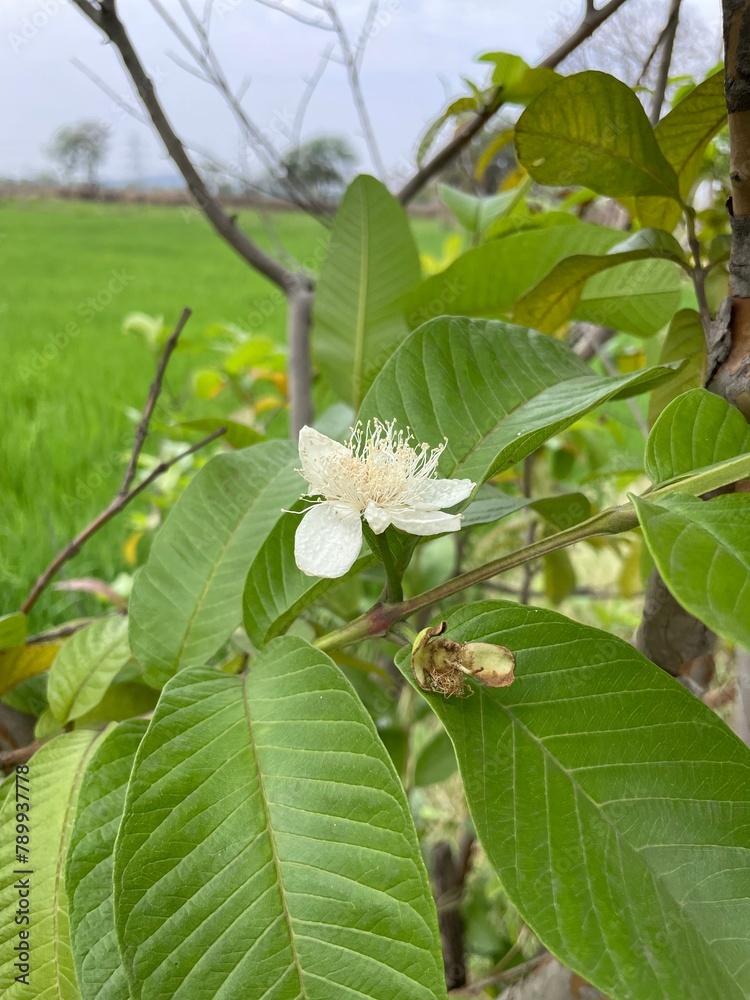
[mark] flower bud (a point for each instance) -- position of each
(442, 665)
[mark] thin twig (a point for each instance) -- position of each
(529, 568)
(105, 88)
(304, 102)
(153, 394)
(105, 18)
(320, 23)
(74, 546)
(669, 33)
(610, 367)
(352, 62)
(13, 758)
(63, 631)
(508, 976)
(592, 20)
(698, 272)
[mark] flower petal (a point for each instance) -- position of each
(440, 493)
(376, 517)
(425, 522)
(328, 541)
(314, 447)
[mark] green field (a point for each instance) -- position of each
(71, 379)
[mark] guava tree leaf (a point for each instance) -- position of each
(590, 129)
(52, 784)
(494, 392)
(696, 430)
(21, 662)
(187, 599)
(88, 872)
(556, 297)
(683, 135)
(372, 263)
(267, 849)
(12, 629)
(85, 667)
(490, 279)
(685, 340)
(702, 551)
(613, 804)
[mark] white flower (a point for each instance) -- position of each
(379, 475)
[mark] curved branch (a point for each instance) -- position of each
(593, 18)
(106, 19)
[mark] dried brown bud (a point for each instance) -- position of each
(442, 665)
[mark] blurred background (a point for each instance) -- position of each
(101, 246)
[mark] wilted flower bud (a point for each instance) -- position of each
(443, 665)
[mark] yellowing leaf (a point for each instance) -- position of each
(20, 662)
(130, 547)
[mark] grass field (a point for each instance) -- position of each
(70, 273)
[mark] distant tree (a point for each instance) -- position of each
(81, 149)
(321, 165)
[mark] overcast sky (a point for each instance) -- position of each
(416, 56)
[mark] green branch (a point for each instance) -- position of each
(381, 618)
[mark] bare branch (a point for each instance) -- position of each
(73, 547)
(127, 492)
(591, 21)
(669, 34)
(121, 103)
(352, 69)
(314, 23)
(108, 22)
(593, 18)
(303, 105)
(364, 35)
(451, 150)
(299, 321)
(210, 71)
(153, 394)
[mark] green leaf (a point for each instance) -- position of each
(521, 83)
(88, 873)
(276, 590)
(613, 804)
(86, 666)
(12, 629)
(188, 597)
(435, 762)
(685, 339)
(470, 285)
(495, 391)
(683, 135)
(21, 662)
(695, 431)
(267, 847)
(372, 263)
(51, 786)
(237, 435)
(555, 298)
(477, 214)
(702, 551)
(488, 280)
(559, 576)
(590, 129)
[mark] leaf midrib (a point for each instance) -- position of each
(577, 143)
(577, 788)
(198, 604)
(359, 328)
(272, 840)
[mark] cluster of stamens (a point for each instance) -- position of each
(381, 465)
